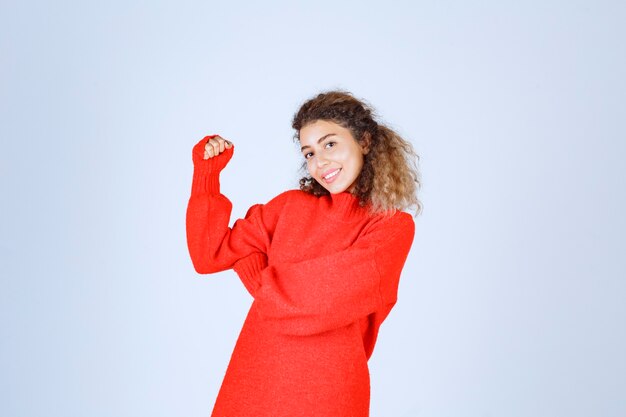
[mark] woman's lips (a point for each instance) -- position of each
(333, 175)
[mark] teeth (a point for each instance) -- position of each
(332, 175)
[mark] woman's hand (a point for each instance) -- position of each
(215, 146)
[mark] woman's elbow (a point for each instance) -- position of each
(204, 266)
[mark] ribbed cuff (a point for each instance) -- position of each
(205, 182)
(206, 171)
(249, 269)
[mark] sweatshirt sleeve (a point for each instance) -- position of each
(213, 245)
(332, 291)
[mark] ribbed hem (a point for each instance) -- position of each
(249, 269)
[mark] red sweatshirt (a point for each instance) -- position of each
(324, 275)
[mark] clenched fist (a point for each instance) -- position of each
(215, 146)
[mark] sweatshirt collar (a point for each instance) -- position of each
(345, 205)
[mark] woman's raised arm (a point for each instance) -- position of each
(213, 245)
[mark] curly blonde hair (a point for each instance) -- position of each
(389, 179)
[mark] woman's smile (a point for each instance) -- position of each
(332, 176)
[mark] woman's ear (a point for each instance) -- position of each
(366, 143)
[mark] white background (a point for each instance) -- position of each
(512, 301)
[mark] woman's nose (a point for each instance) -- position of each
(321, 161)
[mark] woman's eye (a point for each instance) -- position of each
(330, 143)
(308, 155)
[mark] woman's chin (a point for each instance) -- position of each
(332, 188)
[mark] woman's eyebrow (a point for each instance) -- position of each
(318, 141)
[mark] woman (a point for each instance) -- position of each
(323, 262)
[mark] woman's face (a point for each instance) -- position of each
(333, 156)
